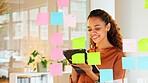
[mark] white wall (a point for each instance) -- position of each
(132, 18)
(107, 5)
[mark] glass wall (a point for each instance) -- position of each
(20, 35)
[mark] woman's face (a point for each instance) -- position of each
(97, 29)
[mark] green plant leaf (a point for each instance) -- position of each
(43, 57)
(33, 64)
(34, 69)
(35, 53)
(44, 63)
(31, 60)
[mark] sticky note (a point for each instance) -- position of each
(56, 53)
(129, 63)
(129, 45)
(146, 4)
(78, 58)
(142, 63)
(56, 18)
(94, 58)
(69, 20)
(63, 3)
(143, 45)
(56, 69)
(42, 19)
(78, 43)
(106, 75)
(56, 39)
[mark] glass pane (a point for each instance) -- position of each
(34, 29)
(78, 8)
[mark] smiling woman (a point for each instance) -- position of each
(104, 38)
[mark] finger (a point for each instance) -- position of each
(69, 48)
(75, 65)
(70, 59)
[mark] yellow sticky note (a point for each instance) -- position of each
(79, 43)
(94, 58)
(143, 45)
(146, 4)
(78, 58)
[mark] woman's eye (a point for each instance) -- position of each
(89, 29)
(97, 28)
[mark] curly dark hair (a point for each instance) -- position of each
(113, 34)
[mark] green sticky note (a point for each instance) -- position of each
(79, 43)
(143, 45)
(146, 4)
(94, 58)
(78, 58)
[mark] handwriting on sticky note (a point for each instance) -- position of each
(129, 45)
(42, 19)
(129, 63)
(106, 75)
(63, 3)
(56, 39)
(78, 58)
(56, 53)
(69, 20)
(56, 18)
(78, 43)
(94, 58)
(143, 45)
(56, 69)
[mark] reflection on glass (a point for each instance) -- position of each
(34, 29)
(78, 7)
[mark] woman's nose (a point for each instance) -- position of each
(93, 31)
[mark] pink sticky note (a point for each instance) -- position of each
(69, 20)
(129, 45)
(56, 39)
(56, 69)
(56, 53)
(63, 3)
(42, 19)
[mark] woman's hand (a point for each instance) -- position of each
(74, 76)
(85, 67)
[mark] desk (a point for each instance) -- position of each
(40, 77)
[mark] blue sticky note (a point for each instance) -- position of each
(142, 63)
(56, 18)
(129, 63)
(106, 75)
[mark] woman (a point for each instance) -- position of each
(104, 38)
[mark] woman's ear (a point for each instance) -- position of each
(108, 26)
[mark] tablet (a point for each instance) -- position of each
(68, 54)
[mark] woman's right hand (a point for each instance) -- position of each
(74, 75)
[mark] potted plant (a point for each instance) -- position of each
(42, 65)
